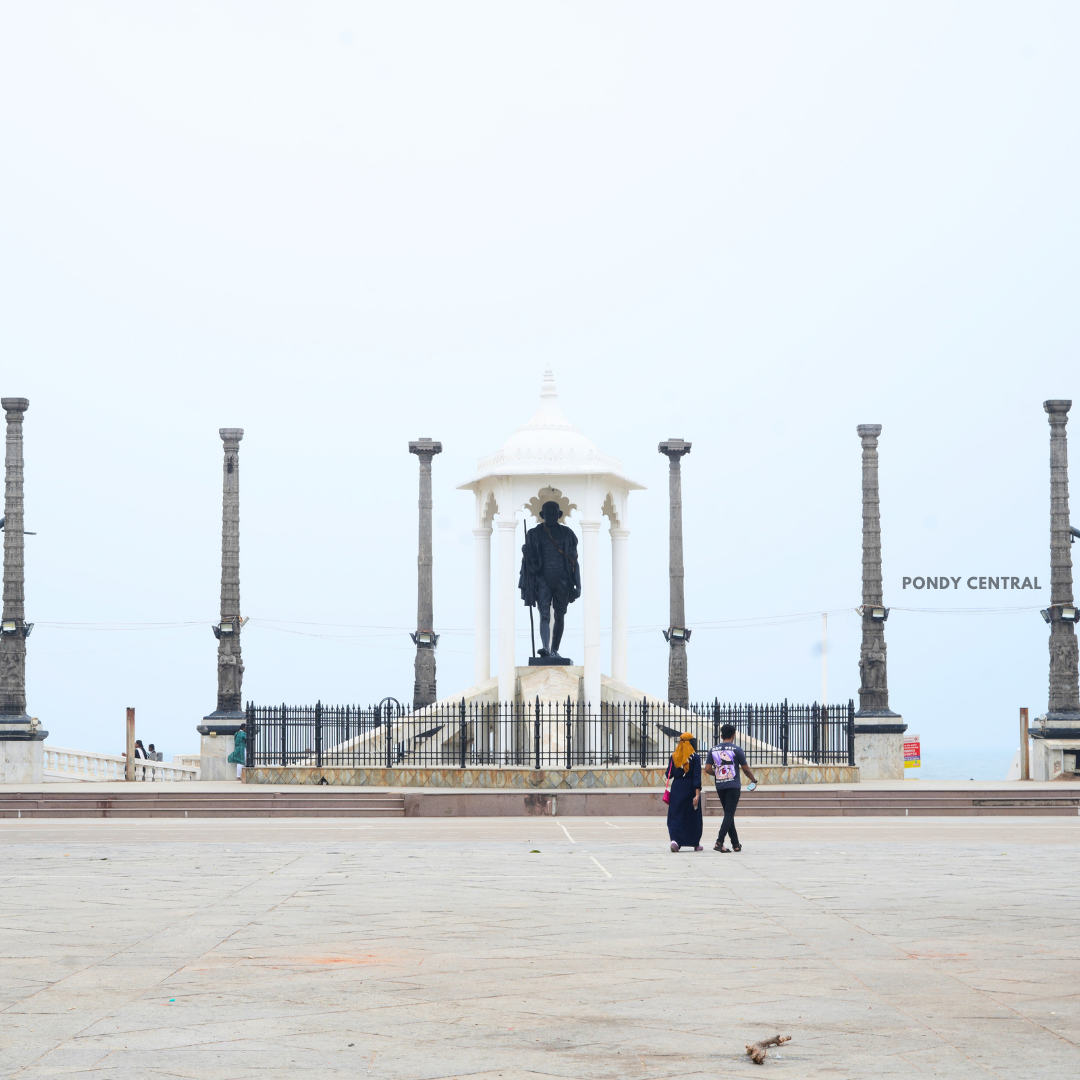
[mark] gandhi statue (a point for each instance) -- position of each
(550, 575)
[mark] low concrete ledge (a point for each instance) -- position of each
(458, 803)
(779, 775)
(483, 779)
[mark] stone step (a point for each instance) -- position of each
(869, 803)
(202, 804)
(453, 802)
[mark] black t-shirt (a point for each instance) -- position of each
(727, 761)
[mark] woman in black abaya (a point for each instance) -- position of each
(684, 808)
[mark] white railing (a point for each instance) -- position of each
(87, 766)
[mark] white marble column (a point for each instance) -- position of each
(620, 617)
(590, 597)
(482, 613)
(509, 567)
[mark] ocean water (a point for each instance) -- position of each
(954, 763)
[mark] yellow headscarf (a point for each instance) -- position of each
(684, 751)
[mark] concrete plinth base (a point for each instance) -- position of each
(22, 758)
(1055, 759)
(550, 683)
(879, 747)
(213, 751)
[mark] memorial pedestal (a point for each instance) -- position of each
(879, 746)
(216, 743)
(22, 753)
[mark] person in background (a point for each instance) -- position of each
(239, 754)
(684, 807)
(725, 761)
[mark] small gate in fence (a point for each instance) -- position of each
(540, 735)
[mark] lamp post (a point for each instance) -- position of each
(425, 639)
(21, 738)
(219, 727)
(676, 634)
(879, 732)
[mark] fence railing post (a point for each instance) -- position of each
(784, 730)
(536, 755)
(644, 732)
(851, 731)
(386, 727)
(249, 745)
(284, 743)
(815, 722)
(462, 734)
(569, 736)
(318, 734)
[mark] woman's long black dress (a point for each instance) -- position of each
(683, 820)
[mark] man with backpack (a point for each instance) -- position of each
(725, 762)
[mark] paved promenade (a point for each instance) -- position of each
(538, 947)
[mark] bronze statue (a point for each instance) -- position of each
(550, 575)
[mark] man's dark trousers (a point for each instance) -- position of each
(729, 799)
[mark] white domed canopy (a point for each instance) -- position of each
(548, 459)
(549, 444)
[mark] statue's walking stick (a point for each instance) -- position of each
(525, 552)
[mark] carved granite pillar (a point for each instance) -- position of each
(13, 638)
(879, 733)
(1063, 710)
(676, 634)
(21, 755)
(221, 725)
(425, 638)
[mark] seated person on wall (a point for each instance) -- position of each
(550, 575)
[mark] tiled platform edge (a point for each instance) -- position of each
(524, 779)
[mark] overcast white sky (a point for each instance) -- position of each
(342, 226)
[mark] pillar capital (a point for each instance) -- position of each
(868, 432)
(482, 532)
(425, 448)
(1057, 410)
(231, 435)
(674, 449)
(507, 523)
(619, 534)
(15, 405)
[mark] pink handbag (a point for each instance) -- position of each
(667, 795)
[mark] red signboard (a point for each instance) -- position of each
(912, 753)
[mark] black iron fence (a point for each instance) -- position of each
(541, 735)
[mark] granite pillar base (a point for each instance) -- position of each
(214, 749)
(879, 747)
(22, 754)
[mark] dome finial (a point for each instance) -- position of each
(547, 388)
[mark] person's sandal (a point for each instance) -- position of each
(698, 847)
(737, 847)
(674, 846)
(717, 847)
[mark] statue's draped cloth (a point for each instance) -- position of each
(559, 539)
